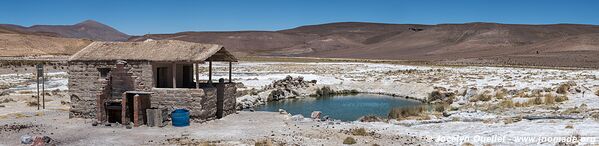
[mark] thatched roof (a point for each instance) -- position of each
(153, 50)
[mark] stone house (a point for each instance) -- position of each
(118, 81)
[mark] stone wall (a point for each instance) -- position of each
(230, 99)
(201, 103)
(85, 84)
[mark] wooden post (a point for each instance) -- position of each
(136, 108)
(230, 72)
(38, 91)
(174, 72)
(209, 72)
(124, 119)
(43, 93)
(197, 72)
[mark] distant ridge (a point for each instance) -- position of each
(478, 42)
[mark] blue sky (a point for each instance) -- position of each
(138, 17)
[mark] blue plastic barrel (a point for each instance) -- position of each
(180, 117)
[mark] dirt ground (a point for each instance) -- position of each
(244, 128)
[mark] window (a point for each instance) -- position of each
(104, 72)
(162, 77)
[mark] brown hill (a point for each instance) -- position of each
(31, 45)
(487, 43)
(88, 29)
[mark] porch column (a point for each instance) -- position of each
(174, 70)
(209, 71)
(230, 71)
(197, 72)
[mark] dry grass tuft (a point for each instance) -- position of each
(267, 142)
(32, 103)
(563, 88)
(561, 98)
(406, 112)
(506, 103)
(349, 141)
(549, 99)
(535, 101)
(21, 115)
(7, 100)
(569, 126)
(485, 96)
(501, 94)
(359, 132)
(574, 110)
(597, 92)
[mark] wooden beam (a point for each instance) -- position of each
(230, 71)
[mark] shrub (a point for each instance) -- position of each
(359, 132)
(563, 88)
(349, 140)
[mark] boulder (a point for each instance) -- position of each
(297, 117)
(26, 139)
(282, 111)
(316, 115)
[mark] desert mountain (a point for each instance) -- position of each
(550, 45)
(88, 29)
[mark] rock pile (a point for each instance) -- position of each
(289, 87)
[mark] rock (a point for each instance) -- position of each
(282, 111)
(38, 141)
(326, 118)
(95, 123)
(2, 105)
(128, 127)
(47, 139)
(2, 93)
(297, 117)
(446, 114)
(26, 139)
(315, 115)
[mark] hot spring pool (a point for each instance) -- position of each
(345, 107)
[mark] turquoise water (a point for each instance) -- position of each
(345, 108)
